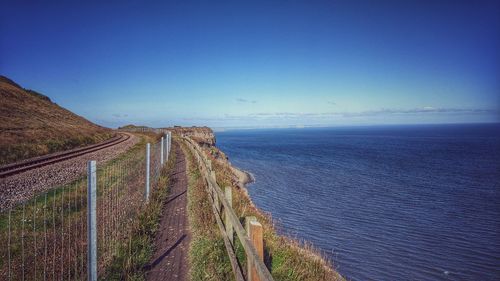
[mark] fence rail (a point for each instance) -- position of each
(60, 234)
(250, 238)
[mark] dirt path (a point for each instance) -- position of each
(170, 260)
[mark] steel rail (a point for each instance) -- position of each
(37, 162)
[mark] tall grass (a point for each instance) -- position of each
(134, 254)
(286, 258)
(207, 253)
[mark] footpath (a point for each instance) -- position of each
(170, 260)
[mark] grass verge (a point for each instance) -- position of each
(207, 253)
(135, 254)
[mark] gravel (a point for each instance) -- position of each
(21, 187)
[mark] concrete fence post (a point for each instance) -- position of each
(91, 221)
(161, 151)
(254, 232)
(228, 192)
(148, 148)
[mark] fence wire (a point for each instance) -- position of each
(156, 161)
(45, 238)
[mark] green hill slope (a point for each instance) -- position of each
(32, 125)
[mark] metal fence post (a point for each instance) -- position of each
(148, 148)
(167, 144)
(91, 222)
(161, 154)
(169, 141)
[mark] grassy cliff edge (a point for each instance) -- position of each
(286, 258)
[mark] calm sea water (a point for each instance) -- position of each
(385, 203)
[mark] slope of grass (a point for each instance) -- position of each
(32, 125)
(207, 253)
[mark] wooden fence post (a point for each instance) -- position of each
(214, 177)
(229, 226)
(214, 193)
(254, 232)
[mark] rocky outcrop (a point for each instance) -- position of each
(203, 135)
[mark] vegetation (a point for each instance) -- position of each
(32, 125)
(64, 207)
(207, 253)
(133, 256)
(130, 126)
(286, 258)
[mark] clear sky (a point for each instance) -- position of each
(258, 64)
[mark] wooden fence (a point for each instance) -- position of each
(251, 237)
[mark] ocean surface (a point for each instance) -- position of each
(418, 202)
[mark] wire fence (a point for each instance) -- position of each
(46, 237)
(145, 130)
(156, 162)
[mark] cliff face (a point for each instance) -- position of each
(203, 135)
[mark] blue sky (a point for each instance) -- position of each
(259, 64)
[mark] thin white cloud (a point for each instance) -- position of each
(245, 100)
(423, 110)
(328, 115)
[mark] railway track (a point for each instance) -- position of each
(37, 162)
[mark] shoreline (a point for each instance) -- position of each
(243, 176)
(304, 249)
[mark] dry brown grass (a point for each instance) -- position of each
(32, 125)
(207, 254)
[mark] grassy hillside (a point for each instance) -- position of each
(32, 125)
(131, 127)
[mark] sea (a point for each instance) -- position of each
(413, 202)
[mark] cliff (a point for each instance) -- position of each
(203, 135)
(288, 259)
